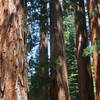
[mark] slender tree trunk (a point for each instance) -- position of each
(44, 51)
(94, 9)
(59, 76)
(84, 67)
(44, 67)
(13, 72)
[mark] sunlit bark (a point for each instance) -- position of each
(13, 71)
(59, 76)
(94, 13)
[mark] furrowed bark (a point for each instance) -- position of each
(84, 67)
(59, 90)
(94, 12)
(13, 71)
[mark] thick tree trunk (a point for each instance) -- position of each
(59, 76)
(13, 72)
(94, 9)
(84, 67)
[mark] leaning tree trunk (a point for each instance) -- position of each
(13, 72)
(59, 76)
(84, 67)
(94, 9)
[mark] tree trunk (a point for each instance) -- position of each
(94, 9)
(59, 78)
(13, 72)
(44, 51)
(84, 67)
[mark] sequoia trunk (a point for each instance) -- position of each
(84, 67)
(44, 51)
(59, 76)
(94, 9)
(13, 72)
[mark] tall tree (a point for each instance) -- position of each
(84, 67)
(94, 13)
(13, 71)
(59, 78)
(44, 50)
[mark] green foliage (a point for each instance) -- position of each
(69, 32)
(37, 22)
(67, 7)
(89, 50)
(56, 63)
(96, 13)
(36, 81)
(36, 84)
(94, 48)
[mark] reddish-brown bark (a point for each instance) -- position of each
(13, 72)
(84, 68)
(94, 12)
(59, 76)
